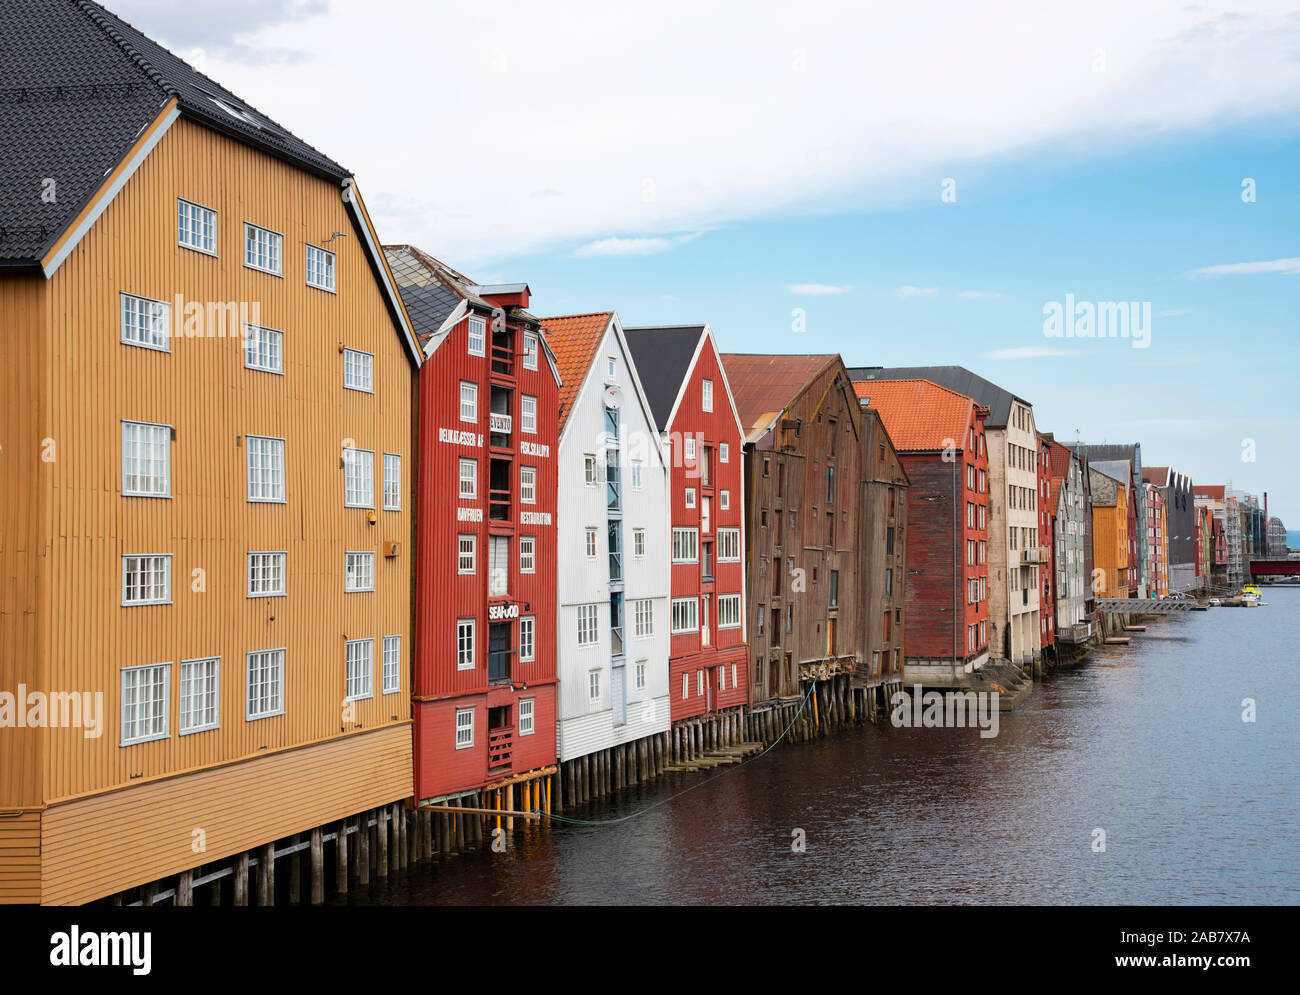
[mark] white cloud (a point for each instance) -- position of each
(617, 112)
(1247, 269)
(908, 291)
(634, 246)
(1029, 352)
(818, 289)
(979, 295)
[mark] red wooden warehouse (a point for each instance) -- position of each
(485, 675)
(693, 408)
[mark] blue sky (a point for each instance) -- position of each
(677, 162)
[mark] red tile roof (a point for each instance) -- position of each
(573, 339)
(1058, 457)
(763, 386)
(1158, 475)
(1209, 490)
(919, 415)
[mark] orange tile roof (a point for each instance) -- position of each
(919, 415)
(573, 339)
(1058, 457)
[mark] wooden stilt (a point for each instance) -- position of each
(317, 868)
(266, 875)
(295, 876)
(341, 858)
(185, 889)
(363, 851)
(241, 879)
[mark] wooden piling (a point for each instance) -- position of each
(317, 867)
(266, 875)
(185, 889)
(363, 850)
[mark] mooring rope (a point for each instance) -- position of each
(698, 784)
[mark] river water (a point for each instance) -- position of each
(1145, 742)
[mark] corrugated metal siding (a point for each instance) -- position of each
(113, 841)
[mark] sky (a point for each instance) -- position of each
(903, 184)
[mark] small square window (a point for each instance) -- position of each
(262, 249)
(196, 226)
(358, 370)
(320, 268)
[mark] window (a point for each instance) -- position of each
(527, 637)
(724, 452)
(593, 685)
(146, 322)
(358, 370)
(690, 497)
(688, 447)
(635, 476)
(686, 687)
(706, 400)
(465, 644)
(699, 682)
(589, 470)
(728, 545)
(528, 414)
(477, 335)
(468, 478)
(147, 580)
(970, 552)
(889, 581)
(591, 543)
(145, 702)
(392, 482)
(728, 611)
(640, 675)
(392, 664)
(638, 542)
(587, 625)
(686, 546)
(358, 478)
(199, 695)
(685, 615)
(196, 226)
(643, 613)
(835, 589)
(320, 268)
(265, 684)
(526, 716)
(528, 485)
(722, 673)
(465, 554)
(263, 349)
(530, 351)
(262, 249)
(830, 485)
(527, 554)
(265, 469)
(360, 669)
(468, 401)
(724, 502)
(146, 459)
(464, 728)
(360, 572)
(970, 515)
(266, 575)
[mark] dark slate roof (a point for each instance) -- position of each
(430, 289)
(663, 358)
(1131, 451)
(80, 86)
(957, 378)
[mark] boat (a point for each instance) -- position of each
(1216, 603)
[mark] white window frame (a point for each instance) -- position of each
(352, 470)
(727, 539)
(393, 481)
(686, 686)
(159, 710)
(531, 350)
(276, 558)
(688, 447)
(706, 395)
(464, 465)
(476, 327)
(693, 622)
(189, 224)
(166, 563)
(275, 240)
(691, 537)
(724, 452)
(392, 664)
(527, 624)
(272, 486)
(166, 462)
(639, 676)
(132, 332)
(724, 500)
(590, 475)
(643, 616)
(358, 685)
(275, 656)
(472, 400)
(354, 561)
(690, 497)
(327, 266)
(359, 370)
(182, 713)
(634, 475)
(588, 625)
(528, 485)
(527, 554)
(638, 543)
(527, 723)
(590, 546)
(593, 686)
(528, 414)
(467, 742)
(461, 553)
(463, 626)
(254, 338)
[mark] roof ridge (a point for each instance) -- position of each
(97, 15)
(579, 314)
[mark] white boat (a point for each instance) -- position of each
(1216, 603)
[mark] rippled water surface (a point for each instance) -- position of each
(1145, 742)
